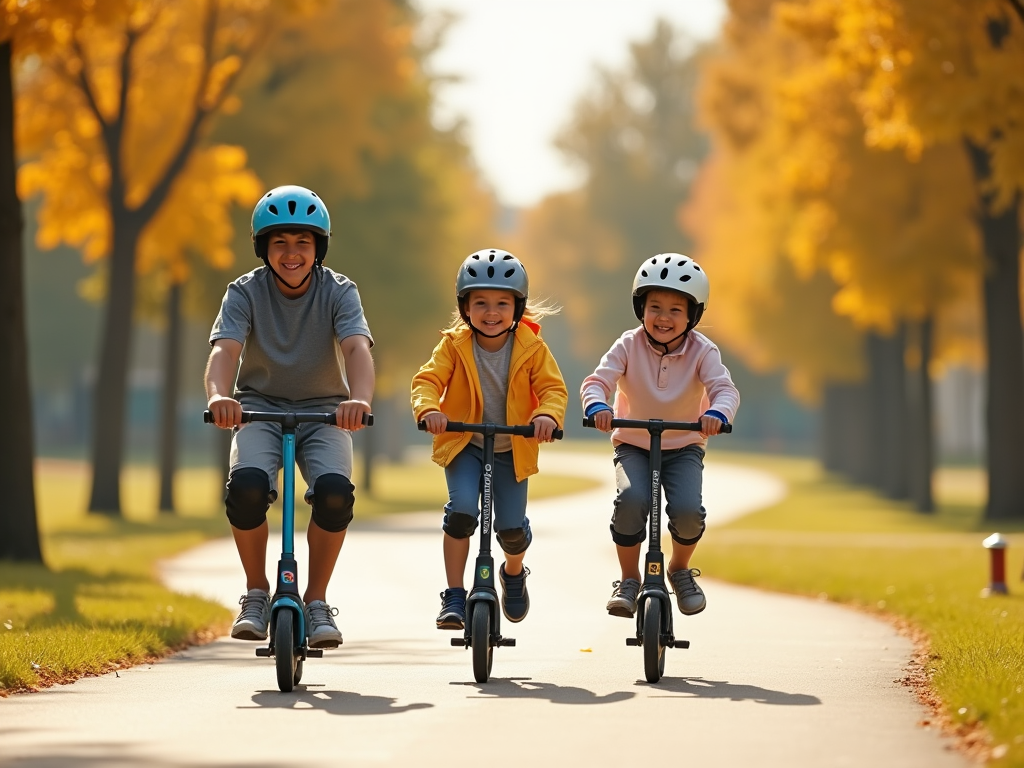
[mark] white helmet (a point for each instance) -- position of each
(674, 272)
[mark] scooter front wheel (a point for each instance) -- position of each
(654, 651)
(480, 639)
(285, 657)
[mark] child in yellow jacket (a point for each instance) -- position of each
(491, 366)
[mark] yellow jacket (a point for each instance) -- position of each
(449, 383)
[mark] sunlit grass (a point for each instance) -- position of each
(840, 543)
(99, 605)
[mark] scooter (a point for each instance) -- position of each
(288, 631)
(654, 631)
(483, 613)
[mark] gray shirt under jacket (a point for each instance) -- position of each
(291, 347)
(492, 368)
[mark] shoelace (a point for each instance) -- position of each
(321, 614)
(451, 600)
(252, 606)
(629, 590)
(688, 587)
(515, 586)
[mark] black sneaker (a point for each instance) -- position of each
(689, 597)
(623, 600)
(515, 600)
(453, 609)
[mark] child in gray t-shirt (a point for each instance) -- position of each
(290, 336)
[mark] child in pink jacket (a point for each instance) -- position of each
(662, 370)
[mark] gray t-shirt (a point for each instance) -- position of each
(292, 347)
(492, 367)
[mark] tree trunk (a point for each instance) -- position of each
(109, 399)
(1004, 411)
(921, 442)
(856, 431)
(835, 441)
(895, 428)
(169, 406)
(19, 532)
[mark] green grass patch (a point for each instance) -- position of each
(99, 606)
(837, 542)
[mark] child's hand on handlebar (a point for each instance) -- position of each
(543, 427)
(436, 422)
(227, 412)
(603, 420)
(710, 425)
(350, 414)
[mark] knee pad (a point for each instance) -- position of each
(247, 498)
(514, 541)
(627, 540)
(458, 525)
(333, 499)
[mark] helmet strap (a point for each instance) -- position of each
(510, 329)
(656, 343)
(302, 282)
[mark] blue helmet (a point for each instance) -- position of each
(291, 207)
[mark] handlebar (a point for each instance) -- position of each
(290, 419)
(494, 429)
(658, 425)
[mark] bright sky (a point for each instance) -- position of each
(524, 64)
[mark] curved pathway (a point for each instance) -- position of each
(769, 680)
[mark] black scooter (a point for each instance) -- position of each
(289, 635)
(483, 612)
(654, 606)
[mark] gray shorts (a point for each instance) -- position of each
(681, 480)
(320, 449)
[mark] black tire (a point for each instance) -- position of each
(480, 638)
(654, 651)
(297, 677)
(284, 650)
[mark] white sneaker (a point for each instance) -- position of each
(252, 622)
(323, 632)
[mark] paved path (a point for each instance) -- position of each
(769, 680)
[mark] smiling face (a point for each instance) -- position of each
(291, 254)
(492, 311)
(666, 314)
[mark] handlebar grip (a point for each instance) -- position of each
(557, 433)
(727, 428)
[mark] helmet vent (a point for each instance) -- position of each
(312, 193)
(668, 259)
(272, 209)
(644, 272)
(291, 207)
(507, 256)
(510, 272)
(471, 271)
(685, 278)
(310, 210)
(477, 257)
(654, 260)
(491, 257)
(696, 267)
(664, 273)
(490, 271)
(681, 263)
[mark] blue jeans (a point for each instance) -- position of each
(465, 484)
(681, 479)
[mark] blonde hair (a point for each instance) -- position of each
(536, 309)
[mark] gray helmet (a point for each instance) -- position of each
(493, 268)
(675, 272)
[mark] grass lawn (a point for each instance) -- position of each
(99, 606)
(836, 542)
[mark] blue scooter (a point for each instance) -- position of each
(288, 630)
(654, 631)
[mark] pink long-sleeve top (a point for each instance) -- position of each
(679, 386)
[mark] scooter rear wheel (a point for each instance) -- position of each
(298, 671)
(480, 639)
(654, 651)
(285, 657)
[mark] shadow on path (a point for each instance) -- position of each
(331, 702)
(699, 688)
(527, 688)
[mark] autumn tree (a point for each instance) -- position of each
(115, 147)
(924, 74)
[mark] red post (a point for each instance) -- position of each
(996, 545)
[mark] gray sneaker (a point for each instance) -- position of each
(252, 622)
(689, 597)
(323, 632)
(623, 600)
